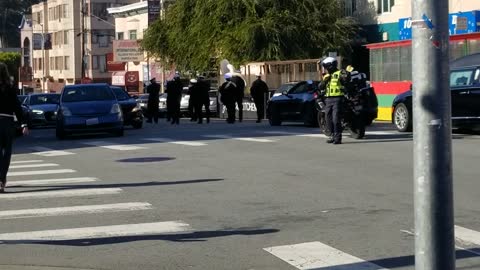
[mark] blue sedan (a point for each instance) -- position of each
(88, 108)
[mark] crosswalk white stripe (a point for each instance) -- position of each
(165, 140)
(48, 152)
(74, 210)
(467, 235)
(61, 193)
(281, 133)
(111, 146)
(313, 135)
(26, 161)
(382, 133)
(34, 166)
(51, 181)
(238, 138)
(316, 255)
(98, 232)
(40, 172)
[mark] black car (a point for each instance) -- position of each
(465, 96)
(132, 112)
(297, 104)
(41, 109)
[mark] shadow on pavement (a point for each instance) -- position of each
(199, 236)
(127, 185)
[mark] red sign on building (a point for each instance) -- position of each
(113, 66)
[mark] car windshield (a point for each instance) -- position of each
(87, 93)
(461, 77)
(120, 94)
(22, 98)
(285, 87)
(44, 99)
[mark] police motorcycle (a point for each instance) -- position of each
(357, 111)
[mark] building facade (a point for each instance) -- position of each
(68, 40)
(387, 35)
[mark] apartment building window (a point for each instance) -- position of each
(66, 63)
(132, 34)
(120, 36)
(59, 63)
(100, 10)
(385, 6)
(65, 37)
(52, 63)
(64, 11)
(94, 62)
(102, 63)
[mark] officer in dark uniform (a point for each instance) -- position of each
(203, 100)
(333, 86)
(174, 97)
(153, 91)
(258, 91)
(228, 92)
(240, 94)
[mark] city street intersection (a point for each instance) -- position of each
(245, 196)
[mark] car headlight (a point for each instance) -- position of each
(37, 112)
(115, 109)
(66, 111)
(137, 108)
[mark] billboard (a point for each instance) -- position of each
(153, 11)
(127, 51)
(458, 23)
(112, 65)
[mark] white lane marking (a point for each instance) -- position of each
(316, 255)
(466, 235)
(74, 210)
(48, 152)
(111, 146)
(34, 166)
(281, 133)
(41, 172)
(313, 135)
(61, 193)
(26, 161)
(98, 232)
(382, 133)
(165, 140)
(238, 138)
(51, 181)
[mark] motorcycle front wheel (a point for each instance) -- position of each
(322, 123)
(357, 128)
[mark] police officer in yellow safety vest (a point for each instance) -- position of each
(333, 86)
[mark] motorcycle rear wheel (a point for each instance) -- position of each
(357, 128)
(322, 123)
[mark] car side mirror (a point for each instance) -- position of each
(285, 93)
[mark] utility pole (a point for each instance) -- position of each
(432, 133)
(83, 40)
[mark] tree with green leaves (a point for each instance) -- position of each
(195, 31)
(12, 60)
(11, 12)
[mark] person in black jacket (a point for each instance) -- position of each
(153, 101)
(228, 92)
(258, 92)
(239, 95)
(9, 106)
(174, 97)
(203, 99)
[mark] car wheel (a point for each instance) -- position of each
(60, 134)
(322, 123)
(402, 118)
(274, 119)
(137, 125)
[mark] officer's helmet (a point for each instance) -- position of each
(330, 64)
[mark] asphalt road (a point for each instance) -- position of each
(244, 196)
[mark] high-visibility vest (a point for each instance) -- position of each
(334, 87)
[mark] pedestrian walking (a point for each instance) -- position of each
(333, 86)
(203, 100)
(153, 91)
(174, 97)
(239, 94)
(9, 106)
(228, 91)
(258, 91)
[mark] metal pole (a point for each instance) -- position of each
(43, 57)
(434, 225)
(83, 41)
